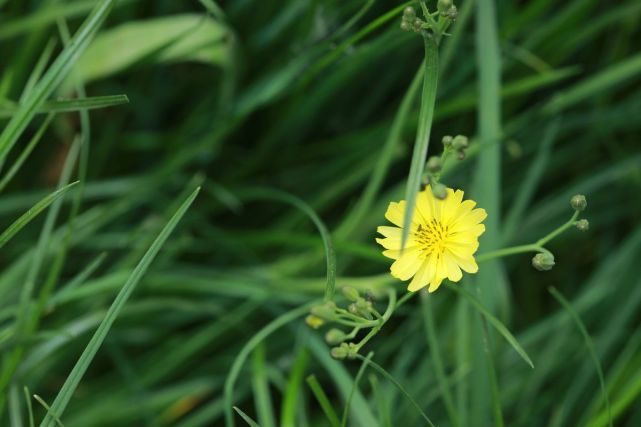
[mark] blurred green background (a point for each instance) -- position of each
(304, 96)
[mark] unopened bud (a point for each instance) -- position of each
(325, 311)
(314, 322)
(583, 225)
(578, 202)
(417, 25)
(447, 140)
(460, 155)
(340, 352)
(439, 191)
(409, 13)
(460, 142)
(405, 26)
(444, 6)
(335, 336)
(350, 293)
(543, 261)
(434, 164)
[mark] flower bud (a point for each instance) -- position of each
(460, 155)
(417, 25)
(444, 6)
(405, 26)
(325, 311)
(439, 191)
(335, 336)
(314, 322)
(409, 13)
(434, 164)
(350, 293)
(578, 202)
(339, 352)
(447, 140)
(460, 142)
(543, 261)
(583, 225)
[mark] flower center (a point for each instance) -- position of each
(431, 237)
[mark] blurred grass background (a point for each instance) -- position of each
(306, 96)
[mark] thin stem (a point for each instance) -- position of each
(561, 229)
(391, 306)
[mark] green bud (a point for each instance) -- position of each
(439, 191)
(460, 142)
(578, 202)
(417, 25)
(405, 26)
(409, 13)
(350, 293)
(340, 352)
(352, 350)
(444, 6)
(447, 140)
(325, 311)
(543, 261)
(460, 155)
(434, 164)
(583, 225)
(353, 308)
(314, 322)
(335, 336)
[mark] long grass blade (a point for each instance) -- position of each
(71, 105)
(78, 371)
(323, 401)
(250, 422)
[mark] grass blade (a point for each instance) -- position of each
(27, 398)
(21, 222)
(426, 115)
(398, 385)
(359, 375)
(72, 381)
(270, 328)
(496, 323)
(54, 76)
(70, 105)
(261, 388)
(330, 256)
(323, 401)
(246, 418)
(292, 392)
(588, 343)
(50, 413)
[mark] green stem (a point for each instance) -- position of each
(426, 116)
(533, 247)
(391, 306)
(559, 230)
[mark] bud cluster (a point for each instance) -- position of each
(359, 314)
(447, 10)
(411, 22)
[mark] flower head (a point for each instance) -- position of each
(442, 240)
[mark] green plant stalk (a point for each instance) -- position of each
(533, 247)
(426, 116)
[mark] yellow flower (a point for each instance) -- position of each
(442, 240)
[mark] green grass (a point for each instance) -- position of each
(301, 121)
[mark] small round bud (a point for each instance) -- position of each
(325, 311)
(409, 13)
(434, 164)
(578, 202)
(335, 336)
(314, 322)
(460, 155)
(352, 350)
(339, 352)
(460, 142)
(444, 6)
(583, 225)
(350, 293)
(447, 140)
(543, 261)
(417, 25)
(405, 26)
(439, 191)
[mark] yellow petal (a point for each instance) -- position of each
(389, 231)
(392, 253)
(407, 265)
(435, 284)
(420, 279)
(453, 271)
(468, 264)
(395, 213)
